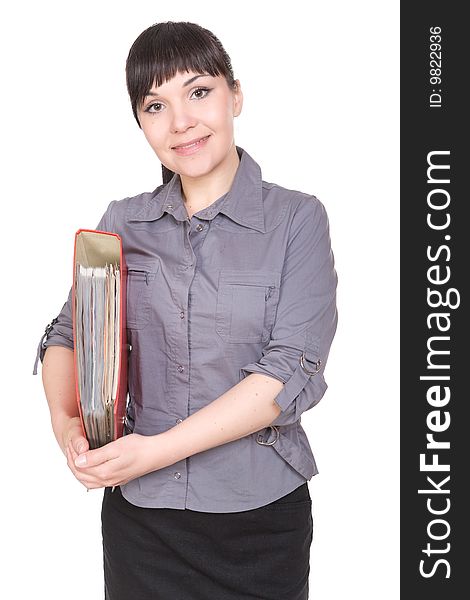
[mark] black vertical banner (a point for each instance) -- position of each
(435, 328)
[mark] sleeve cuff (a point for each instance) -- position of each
(302, 390)
(48, 339)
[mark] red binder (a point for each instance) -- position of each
(94, 248)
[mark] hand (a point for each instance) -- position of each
(116, 463)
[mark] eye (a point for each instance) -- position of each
(202, 89)
(205, 92)
(149, 108)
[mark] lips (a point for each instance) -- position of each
(190, 143)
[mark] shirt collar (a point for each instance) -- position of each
(243, 203)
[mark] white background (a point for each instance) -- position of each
(320, 115)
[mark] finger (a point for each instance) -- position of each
(93, 458)
(80, 444)
(70, 461)
(84, 478)
(72, 451)
(74, 431)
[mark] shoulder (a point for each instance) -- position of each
(282, 204)
(118, 211)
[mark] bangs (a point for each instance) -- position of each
(165, 49)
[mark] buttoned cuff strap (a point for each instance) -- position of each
(41, 347)
(296, 383)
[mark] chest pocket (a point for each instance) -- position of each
(246, 305)
(140, 285)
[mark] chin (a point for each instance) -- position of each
(195, 174)
(197, 169)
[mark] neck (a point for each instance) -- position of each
(200, 192)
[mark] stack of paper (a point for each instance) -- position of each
(97, 296)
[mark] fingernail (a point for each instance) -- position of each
(80, 460)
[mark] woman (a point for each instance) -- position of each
(231, 313)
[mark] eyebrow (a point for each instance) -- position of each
(184, 84)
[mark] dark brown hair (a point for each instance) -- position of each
(165, 49)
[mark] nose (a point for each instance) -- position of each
(181, 118)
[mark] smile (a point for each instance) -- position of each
(191, 148)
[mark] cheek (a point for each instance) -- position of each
(218, 114)
(222, 123)
(152, 135)
(229, 125)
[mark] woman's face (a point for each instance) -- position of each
(187, 108)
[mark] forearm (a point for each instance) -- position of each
(58, 377)
(245, 408)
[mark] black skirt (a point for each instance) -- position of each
(171, 554)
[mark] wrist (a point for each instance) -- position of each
(168, 448)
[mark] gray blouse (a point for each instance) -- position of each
(246, 285)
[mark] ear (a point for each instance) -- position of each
(237, 99)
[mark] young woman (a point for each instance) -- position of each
(231, 313)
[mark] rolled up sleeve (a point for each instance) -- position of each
(59, 332)
(306, 317)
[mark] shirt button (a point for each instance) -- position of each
(177, 475)
(199, 227)
(178, 421)
(180, 368)
(182, 314)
